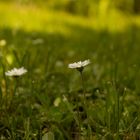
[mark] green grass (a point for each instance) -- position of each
(49, 97)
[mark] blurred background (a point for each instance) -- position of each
(85, 8)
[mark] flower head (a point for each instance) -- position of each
(15, 72)
(79, 65)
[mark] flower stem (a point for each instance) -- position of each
(16, 86)
(83, 88)
(14, 92)
(85, 102)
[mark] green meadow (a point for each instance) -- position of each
(52, 101)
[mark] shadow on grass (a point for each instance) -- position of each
(82, 43)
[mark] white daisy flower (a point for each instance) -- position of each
(15, 72)
(79, 65)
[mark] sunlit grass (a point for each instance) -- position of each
(34, 18)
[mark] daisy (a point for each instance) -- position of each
(79, 65)
(16, 72)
